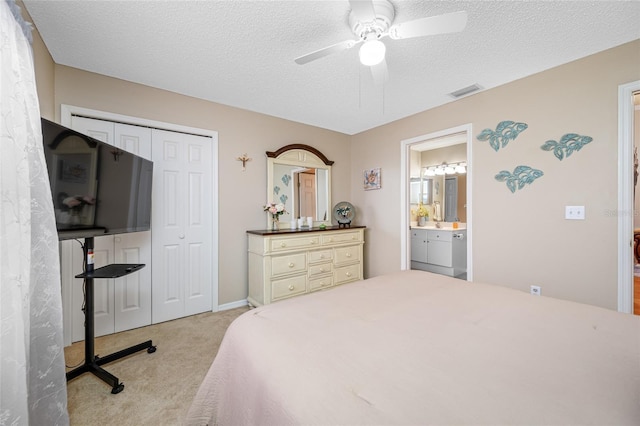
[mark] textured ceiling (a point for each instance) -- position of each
(241, 53)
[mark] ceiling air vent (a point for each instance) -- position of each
(465, 91)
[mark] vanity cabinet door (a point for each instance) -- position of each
(440, 253)
(419, 245)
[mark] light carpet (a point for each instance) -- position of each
(158, 387)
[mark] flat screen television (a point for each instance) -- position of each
(97, 188)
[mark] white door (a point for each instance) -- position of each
(132, 293)
(182, 225)
(451, 199)
(123, 303)
(307, 193)
(103, 289)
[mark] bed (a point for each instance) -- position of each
(419, 348)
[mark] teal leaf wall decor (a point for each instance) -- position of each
(283, 199)
(505, 132)
(286, 179)
(276, 189)
(568, 144)
(521, 176)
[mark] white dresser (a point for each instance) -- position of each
(289, 263)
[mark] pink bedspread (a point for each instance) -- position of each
(419, 348)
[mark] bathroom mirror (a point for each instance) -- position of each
(299, 176)
(446, 191)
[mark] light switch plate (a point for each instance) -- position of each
(574, 212)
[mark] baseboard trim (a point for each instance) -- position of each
(233, 305)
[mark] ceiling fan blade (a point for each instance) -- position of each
(363, 10)
(431, 25)
(380, 73)
(321, 53)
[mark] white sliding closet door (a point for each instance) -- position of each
(182, 225)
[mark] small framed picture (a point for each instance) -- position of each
(372, 179)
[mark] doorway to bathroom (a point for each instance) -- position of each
(436, 171)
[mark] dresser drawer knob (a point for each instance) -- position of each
(323, 284)
(348, 274)
(353, 237)
(291, 265)
(348, 254)
(322, 256)
(283, 244)
(330, 240)
(291, 287)
(313, 241)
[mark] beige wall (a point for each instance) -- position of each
(519, 239)
(241, 194)
(522, 238)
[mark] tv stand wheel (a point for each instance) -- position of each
(117, 389)
(151, 349)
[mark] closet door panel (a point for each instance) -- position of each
(133, 292)
(182, 237)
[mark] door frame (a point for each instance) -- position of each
(405, 220)
(66, 111)
(625, 195)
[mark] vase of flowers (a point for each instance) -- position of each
(422, 213)
(275, 210)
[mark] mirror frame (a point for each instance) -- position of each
(299, 155)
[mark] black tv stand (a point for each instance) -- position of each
(92, 362)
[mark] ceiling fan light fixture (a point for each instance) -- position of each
(372, 52)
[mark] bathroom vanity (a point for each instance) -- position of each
(440, 250)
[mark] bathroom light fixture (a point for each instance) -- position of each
(372, 52)
(445, 169)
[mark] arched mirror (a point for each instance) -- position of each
(299, 176)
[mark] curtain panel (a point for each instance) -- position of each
(32, 371)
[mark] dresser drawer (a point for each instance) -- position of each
(342, 237)
(282, 244)
(288, 287)
(346, 273)
(439, 235)
(347, 254)
(320, 256)
(320, 283)
(322, 268)
(288, 264)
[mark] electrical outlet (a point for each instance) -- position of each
(574, 212)
(535, 290)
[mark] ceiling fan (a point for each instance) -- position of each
(371, 21)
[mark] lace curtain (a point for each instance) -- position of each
(33, 383)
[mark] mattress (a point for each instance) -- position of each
(415, 347)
